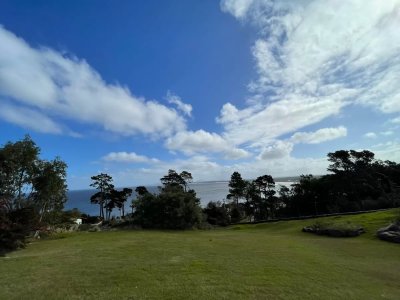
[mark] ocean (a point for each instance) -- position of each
(206, 191)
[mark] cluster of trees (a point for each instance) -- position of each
(174, 206)
(254, 200)
(33, 193)
(108, 197)
(357, 181)
(32, 190)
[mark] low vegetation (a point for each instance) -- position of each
(335, 229)
(262, 261)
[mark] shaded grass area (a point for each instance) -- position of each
(263, 261)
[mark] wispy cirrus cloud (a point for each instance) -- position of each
(313, 59)
(175, 99)
(54, 86)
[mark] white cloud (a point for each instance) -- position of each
(204, 169)
(184, 107)
(319, 136)
(128, 157)
(278, 118)
(371, 135)
(395, 120)
(279, 150)
(28, 118)
(387, 151)
(387, 133)
(313, 59)
(238, 8)
(200, 141)
(59, 86)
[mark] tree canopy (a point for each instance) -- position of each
(28, 181)
(174, 207)
(32, 191)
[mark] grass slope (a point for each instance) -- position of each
(264, 261)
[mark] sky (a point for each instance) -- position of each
(134, 88)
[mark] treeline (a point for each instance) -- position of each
(357, 181)
(32, 191)
(174, 207)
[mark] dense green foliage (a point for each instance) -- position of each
(174, 207)
(263, 261)
(357, 182)
(32, 191)
(217, 213)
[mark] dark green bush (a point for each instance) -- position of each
(15, 227)
(217, 214)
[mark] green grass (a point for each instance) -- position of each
(264, 261)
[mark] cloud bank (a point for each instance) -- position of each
(42, 85)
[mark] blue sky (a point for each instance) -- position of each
(134, 88)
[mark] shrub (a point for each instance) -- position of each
(235, 214)
(217, 213)
(15, 226)
(339, 229)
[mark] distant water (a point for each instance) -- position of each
(206, 191)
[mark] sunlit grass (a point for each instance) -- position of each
(264, 261)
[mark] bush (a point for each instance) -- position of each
(15, 226)
(235, 214)
(173, 208)
(342, 229)
(217, 214)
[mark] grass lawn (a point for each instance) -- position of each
(264, 261)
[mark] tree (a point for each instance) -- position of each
(349, 161)
(172, 179)
(118, 199)
(357, 182)
(187, 178)
(50, 186)
(141, 190)
(236, 188)
(31, 190)
(102, 182)
(265, 185)
(17, 167)
(174, 207)
(252, 197)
